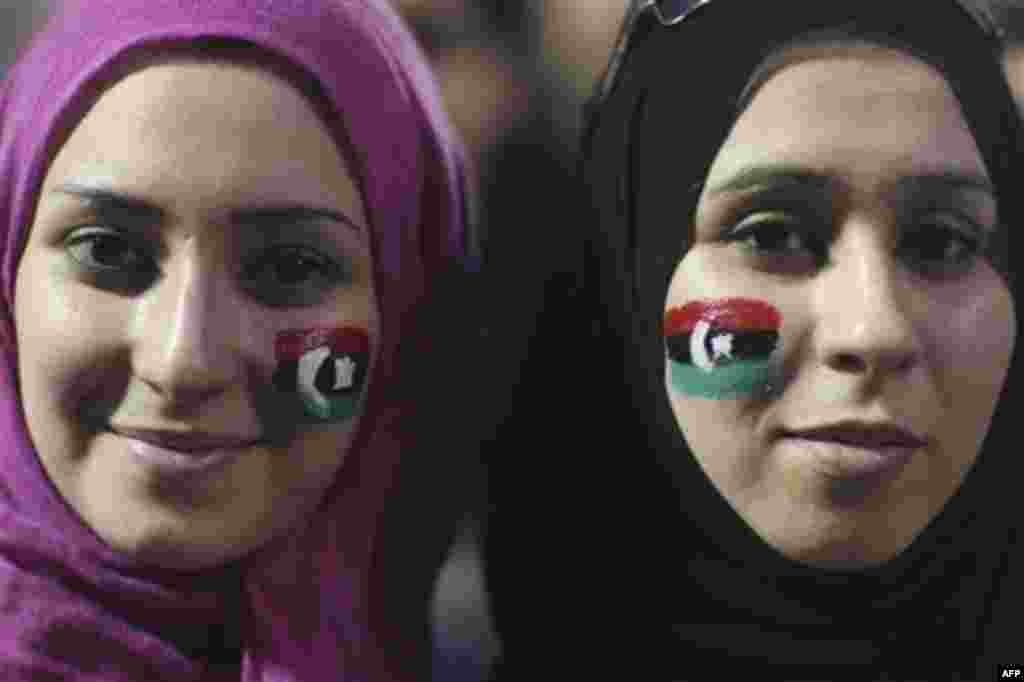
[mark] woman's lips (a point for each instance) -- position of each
(857, 451)
(841, 460)
(186, 441)
(173, 462)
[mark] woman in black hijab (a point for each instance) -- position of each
(801, 250)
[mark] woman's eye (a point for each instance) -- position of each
(291, 275)
(106, 251)
(780, 239)
(940, 249)
(773, 237)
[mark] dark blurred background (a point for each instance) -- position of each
(514, 74)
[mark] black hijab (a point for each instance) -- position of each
(714, 592)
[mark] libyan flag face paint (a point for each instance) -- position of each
(722, 348)
(326, 368)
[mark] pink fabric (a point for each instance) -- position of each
(311, 607)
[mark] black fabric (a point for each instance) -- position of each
(706, 591)
(546, 450)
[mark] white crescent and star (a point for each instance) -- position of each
(721, 347)
(311, 362)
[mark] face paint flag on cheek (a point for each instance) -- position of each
(723, 348)
(326, 368)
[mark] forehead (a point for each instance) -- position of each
(862, 111)
(207, 129)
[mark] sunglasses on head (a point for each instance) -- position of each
(643, 16)
(665, 12)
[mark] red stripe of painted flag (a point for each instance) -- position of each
(738, 314)
(292, 344)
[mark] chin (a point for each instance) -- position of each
(171, 546)
(843, 559)
(840, 533)
(852, 551)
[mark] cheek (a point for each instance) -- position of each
(319, 386)
(973, 347)
(67, 338)
(720, 436)
(978, 337)
(697, 275)
(722, 348)
(723, 362)
(321, 451)
(325, 370)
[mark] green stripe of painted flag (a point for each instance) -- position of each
(732, 380)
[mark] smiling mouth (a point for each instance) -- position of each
(180, 454)
(187, 442)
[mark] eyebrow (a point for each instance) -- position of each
(289, 214)
(109, 203)
(767, 176)
(127, 208)
(772, 176)
(948, 181)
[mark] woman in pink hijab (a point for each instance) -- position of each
(221, 216)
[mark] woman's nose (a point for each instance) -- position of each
(187, 331)
(866, 305)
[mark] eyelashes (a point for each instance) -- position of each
(291, 274)
(102, 250)
(935, 245)
(278, 275)
(778, 240)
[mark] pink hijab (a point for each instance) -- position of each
(316, 605)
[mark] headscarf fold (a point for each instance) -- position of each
(941, 610)
(325, 602)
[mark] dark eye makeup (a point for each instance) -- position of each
(936, 245)
(289, 274)
(107, 251)
(943, 245)
(782, 239)
(276, 275)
